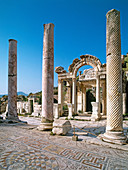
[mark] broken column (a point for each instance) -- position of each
(47, 78)
(114, 130)
(96, 105)
(12, 81)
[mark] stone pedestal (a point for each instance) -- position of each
(47, 78)
(124, 102)
(69, 111)
(95, 113)
(12, 81)
(114, 130)
(56, 111)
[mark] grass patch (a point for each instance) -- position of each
(25, 115)
(52, 134)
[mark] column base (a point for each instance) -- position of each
(70, 117)
(95, 118)
(14, 120)
(115, 137)
(45, 125)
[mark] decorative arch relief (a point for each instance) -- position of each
(60, 70)
(85, 60)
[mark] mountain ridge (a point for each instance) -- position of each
(18, 93)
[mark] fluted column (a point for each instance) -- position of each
(47, 77)
(12, 81)
(114, 130)
(96, 105)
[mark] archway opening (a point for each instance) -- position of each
(85, 88)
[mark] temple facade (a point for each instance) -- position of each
(75, 86)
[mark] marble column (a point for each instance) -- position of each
(47, 78)
(84, 99)
(12, 81)
(60, 96)
(74, 94)
(104, 98)
(114, 130)
(69, 91)
(30, 106)
(96, 110)
(70, 111)
(97, 88)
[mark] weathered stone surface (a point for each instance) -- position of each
(114, 129)
(12, 81)
(95, 114)
(56, 111)
(23, 147)
(70, 111)
(61, 127)
(48, 74)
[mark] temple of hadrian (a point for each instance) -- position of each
(76, 85)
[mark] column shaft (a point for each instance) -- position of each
(60, 95)
(74, 94)
(84, 99)
(12, 80)
(98, 92)
(98, 88)
(114, 129)
(47, 77)
(104, 98)
(96, 105)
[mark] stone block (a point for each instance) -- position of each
(61, 127)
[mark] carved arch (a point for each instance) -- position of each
(85, 60)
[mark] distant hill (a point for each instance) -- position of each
(18, 93)
(22, 93)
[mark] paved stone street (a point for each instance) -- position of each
(22, 146)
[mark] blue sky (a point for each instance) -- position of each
(80, 28)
